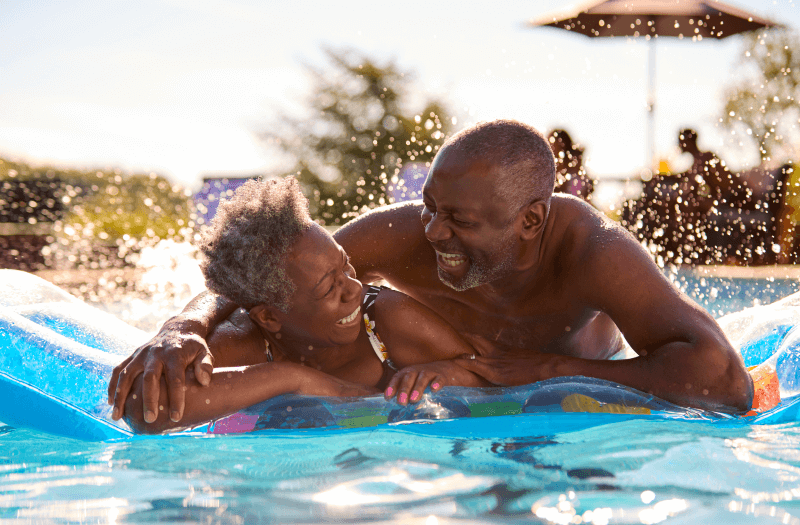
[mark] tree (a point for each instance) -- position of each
(359, 137)
(763, 107)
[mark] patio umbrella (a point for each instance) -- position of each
(651, 19)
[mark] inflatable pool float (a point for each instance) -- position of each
(57, 353)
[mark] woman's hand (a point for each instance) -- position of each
(408, 384)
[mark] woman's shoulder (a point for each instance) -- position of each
(386, 299)
(412, 332)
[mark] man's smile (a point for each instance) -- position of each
(452, 259)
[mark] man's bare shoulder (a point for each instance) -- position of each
(582, 229)
(401, 217)
(377, 240)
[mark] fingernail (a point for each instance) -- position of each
(389, 391)
(175, 416)
(403, 398)
(115, 414)
(414, 395)
(149, 416)
(435, 386)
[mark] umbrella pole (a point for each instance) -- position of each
(651, 106)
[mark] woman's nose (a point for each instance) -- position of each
(352, 289)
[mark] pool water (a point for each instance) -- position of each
(576, 468)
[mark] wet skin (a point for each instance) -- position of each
(320, 346)
(571, 283)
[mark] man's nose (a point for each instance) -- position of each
(436, 229)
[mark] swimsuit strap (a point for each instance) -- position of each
(369, 312)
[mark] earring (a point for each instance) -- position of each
(267, 351)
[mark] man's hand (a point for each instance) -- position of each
(505, 368)
(410, 383)
(169, 353)
(502, 371)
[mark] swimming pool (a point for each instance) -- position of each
(502, 469)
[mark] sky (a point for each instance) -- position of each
(183, 87)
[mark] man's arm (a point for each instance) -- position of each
(233, 389)
(683, 355)
(181, 343)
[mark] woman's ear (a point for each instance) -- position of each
(265, 317)
(534, 216)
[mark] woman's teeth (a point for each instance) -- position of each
(452, 259)
(350, 317)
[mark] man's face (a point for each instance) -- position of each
(470, 227)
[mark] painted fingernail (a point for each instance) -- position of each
(389, 391)
(403, 398)
(175, 416)
(115, 414)
(414, 395)
(149, 416)
(435, 386)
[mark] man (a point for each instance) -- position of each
(541, 284)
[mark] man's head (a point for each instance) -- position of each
(487, 193)
(246, 246)
(522, 154)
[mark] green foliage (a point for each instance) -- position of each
(359, 137)
(138, 206)
(763, 107)
(107, 214)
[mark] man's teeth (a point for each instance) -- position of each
(452, 259)
(349, 317)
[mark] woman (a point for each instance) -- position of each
(311, 326)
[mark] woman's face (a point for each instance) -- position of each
(326, 306)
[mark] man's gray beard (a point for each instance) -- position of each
(477, 274)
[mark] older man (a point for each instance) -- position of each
(541, 284)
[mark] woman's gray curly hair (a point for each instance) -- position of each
(245, 247)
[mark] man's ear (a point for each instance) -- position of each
(534, 216)
(265, 317)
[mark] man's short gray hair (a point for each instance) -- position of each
(527, 162)
(245, 247)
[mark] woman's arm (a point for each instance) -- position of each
(233, 389)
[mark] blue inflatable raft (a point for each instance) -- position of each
(57, 353)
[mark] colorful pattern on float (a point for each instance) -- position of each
(56, 354)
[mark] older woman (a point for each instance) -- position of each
(311, 327)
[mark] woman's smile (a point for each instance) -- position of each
(350, 319)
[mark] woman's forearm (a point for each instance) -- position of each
(233, 389)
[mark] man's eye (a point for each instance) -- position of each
(462, 223)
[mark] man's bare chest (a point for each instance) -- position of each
(546, 324)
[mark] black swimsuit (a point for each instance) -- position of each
(389, 367)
